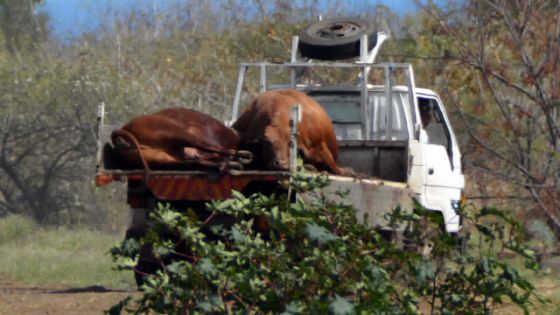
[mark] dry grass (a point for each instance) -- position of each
(62, 256)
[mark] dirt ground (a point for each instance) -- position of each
(16, 298)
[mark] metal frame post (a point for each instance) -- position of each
(413, 100)
(294, 121)
(364, 48)
(239, 87)
(100, 125)
(262, 84)
(366, 117)
(388, 102)
(293, 59)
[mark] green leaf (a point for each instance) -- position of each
(211, 304)
(294, 308)
(379, 276)
(238, 236)
(206, 266)
(318, 233)
(424, 271)
(511, 273)
(455, 298)
(484, 265)
(341, 306)
(174, 267)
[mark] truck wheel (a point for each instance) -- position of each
(146, 262)
(336, 39)
(144, 269)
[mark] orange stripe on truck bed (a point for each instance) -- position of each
(193, 187)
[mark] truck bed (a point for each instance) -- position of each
(387, 160)
(382, 189)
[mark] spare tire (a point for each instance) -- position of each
(336, 39)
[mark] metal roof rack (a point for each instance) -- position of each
(365, 62)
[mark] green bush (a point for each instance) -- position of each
(15, 227)
(315, 258)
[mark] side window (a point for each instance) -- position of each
(434, 124)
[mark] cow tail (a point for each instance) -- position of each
(130, 137)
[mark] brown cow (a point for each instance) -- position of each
(265, 131)
(176, 138)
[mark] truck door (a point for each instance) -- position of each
(444, 179)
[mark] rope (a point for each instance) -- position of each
(127, 135)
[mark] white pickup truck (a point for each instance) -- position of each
(381, 126)
(405, 149)
(396, 136)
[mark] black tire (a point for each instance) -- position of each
(144, 269)
(336, 39)
(146, 262)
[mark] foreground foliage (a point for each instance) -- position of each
(316, 258)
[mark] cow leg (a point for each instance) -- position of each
(191, 153)
(151, 156)
(323, 159)
(193, 156)
(197, 157)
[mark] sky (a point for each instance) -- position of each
(71, 17)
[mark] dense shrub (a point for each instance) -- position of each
(316, 258)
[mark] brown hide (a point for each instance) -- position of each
(175, 138)
(264, 128)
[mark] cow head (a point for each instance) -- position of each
(271, 151)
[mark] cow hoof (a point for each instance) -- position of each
(244, 157)
(234, 172)
(347, 171)
(235, 165)
(309, 167)
(244, 161)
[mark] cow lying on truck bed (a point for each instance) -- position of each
(264, 128)
(178, 138)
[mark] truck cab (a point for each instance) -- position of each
(422, 153)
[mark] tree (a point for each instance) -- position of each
(46, 141)
(22, 27)
(499, 63)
